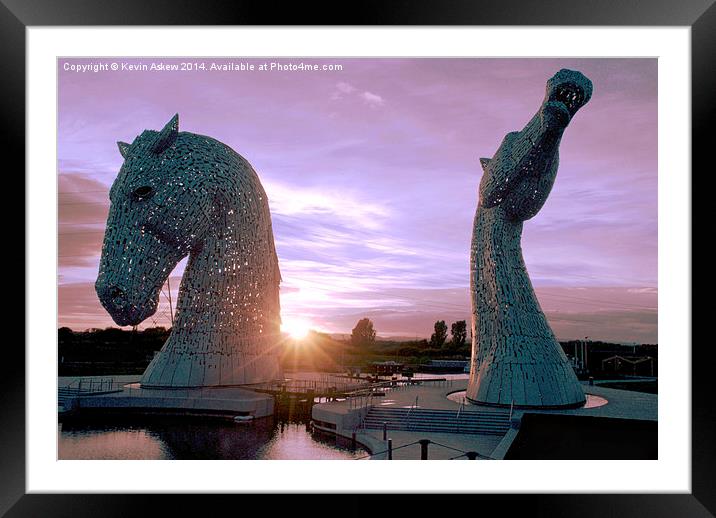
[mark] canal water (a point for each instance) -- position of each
(155, 438)
(169, 437)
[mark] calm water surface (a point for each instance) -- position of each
(169, 437)
(155, 437)
(190, 438)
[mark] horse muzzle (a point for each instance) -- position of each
(569, 88)
(120, 306)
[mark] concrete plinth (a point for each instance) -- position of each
(224, 401)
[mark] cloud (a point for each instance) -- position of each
(368, 203)
(333, 299)
(336, 204)
(343, 89)
(372, 100)
(412, 313)
(346, 88)
(82, 213)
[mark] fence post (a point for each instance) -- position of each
(424, 448)
(390, 449)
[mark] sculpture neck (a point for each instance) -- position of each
(218, 290)
(547, 140)
(199, 289)
(536, 158)
(503, 233)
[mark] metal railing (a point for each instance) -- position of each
(89, 385)
(361, 401)
(410, 410)
(424, 443)
(457, 415)
(68, 395)
(306, 386)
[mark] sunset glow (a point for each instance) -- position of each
(296, 328)
(372, 177)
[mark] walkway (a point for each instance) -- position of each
(346, 417)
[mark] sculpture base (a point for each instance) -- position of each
(528, 407)
(513, 378)
(225, 401)
(172, 370)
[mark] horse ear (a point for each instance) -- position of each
(167, 136)
(484, 162)
(123, 148)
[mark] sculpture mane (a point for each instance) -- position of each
(516, 358)
(180, 194)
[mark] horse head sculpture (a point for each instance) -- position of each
(179, 194)
(516, 359)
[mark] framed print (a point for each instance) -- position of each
(259, 254)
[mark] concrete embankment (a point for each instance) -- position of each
(428, 417)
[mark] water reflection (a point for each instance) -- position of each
(163, 437)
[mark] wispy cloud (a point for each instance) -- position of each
(369, 204)
(372, 100)
(337, 204)
(343, 90)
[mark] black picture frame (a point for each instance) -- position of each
(699, 15)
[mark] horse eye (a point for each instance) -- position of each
(142, 193)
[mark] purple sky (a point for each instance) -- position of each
(372, 175)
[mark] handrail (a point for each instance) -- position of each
(386, 451)
(457, 416)
(361, 423)
(407, 417)
(368, 404)
(89, 385)
(362, 401)
(469, 454)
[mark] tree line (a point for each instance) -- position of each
(363, 334)
(117, 351)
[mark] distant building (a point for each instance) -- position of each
(446, 366)
(386, 368)
(602, 359)
(353, 370)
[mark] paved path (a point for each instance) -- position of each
(621, 404)
(429, 396)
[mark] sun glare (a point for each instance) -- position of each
(295, 327)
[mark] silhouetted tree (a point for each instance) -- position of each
(65, 335)
(408, 351)
(459, 333)
(156, 331)
(363, 333)
(437, 339)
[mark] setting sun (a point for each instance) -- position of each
(296, 327)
